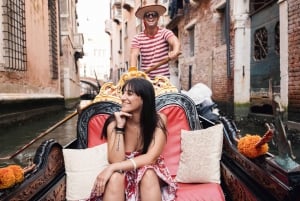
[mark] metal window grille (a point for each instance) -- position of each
(52, 13)
(14, 31)
(260, 43)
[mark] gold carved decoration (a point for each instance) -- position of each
(111, 92)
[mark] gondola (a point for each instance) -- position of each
(267, 177)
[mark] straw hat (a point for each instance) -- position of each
(150, 7)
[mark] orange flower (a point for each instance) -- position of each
(18, 172)
(7, 178)
(246, 146)
(11, 175)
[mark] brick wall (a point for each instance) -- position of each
(294, 60)
(209, 64)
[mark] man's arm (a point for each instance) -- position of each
(175, 47)
(134, 53)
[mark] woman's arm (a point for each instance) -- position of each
(116, 137)
(115, 144)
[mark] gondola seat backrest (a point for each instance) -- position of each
(182, 115)
(90, 123)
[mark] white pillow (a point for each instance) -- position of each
(201, 155)
(82, 167)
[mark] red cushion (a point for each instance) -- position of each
(199, 192)
(177, 120)
(95, 127)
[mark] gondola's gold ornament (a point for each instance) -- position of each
(111, 92)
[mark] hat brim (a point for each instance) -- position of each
(151, 8)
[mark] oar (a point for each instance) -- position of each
(162, 62)
(43, 134)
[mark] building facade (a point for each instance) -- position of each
(245, 51)
(38, 57)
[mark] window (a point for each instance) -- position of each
(222, 27)
(52, 13)
(277, 38)
(14, 31)
(256, 5)
(126, 29)
(126, 65)
(260, 43)
(191, 31)
(120, 40)
(99, 52)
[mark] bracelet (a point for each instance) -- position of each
(120, 132)
(120, 129)
(120, 171)
(133, 163)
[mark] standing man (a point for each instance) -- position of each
(154, 43)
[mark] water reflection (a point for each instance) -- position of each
(14, 138)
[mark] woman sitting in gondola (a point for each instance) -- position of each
(136, 137)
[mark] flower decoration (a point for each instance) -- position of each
(246, 146)
(18, 172)
(11, 175)
(253, 146)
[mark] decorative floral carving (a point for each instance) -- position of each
(111, 92)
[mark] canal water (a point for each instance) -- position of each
(14, 138)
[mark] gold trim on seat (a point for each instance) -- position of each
(111, 92)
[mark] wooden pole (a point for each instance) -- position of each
(163, 61)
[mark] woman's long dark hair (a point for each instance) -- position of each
(149, 119)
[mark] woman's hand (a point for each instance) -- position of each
(101, 180)
(121, 118)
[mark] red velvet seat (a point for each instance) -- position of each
(199, 192)
(178, 120)
(95, 126)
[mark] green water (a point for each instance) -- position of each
(14, 138)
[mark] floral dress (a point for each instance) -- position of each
(133, 178)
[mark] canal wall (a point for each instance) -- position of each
(17, 108)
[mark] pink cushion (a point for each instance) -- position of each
(199, 192)
(95, 129)
(177, 120)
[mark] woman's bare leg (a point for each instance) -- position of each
(114, 189)
(150, 187)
